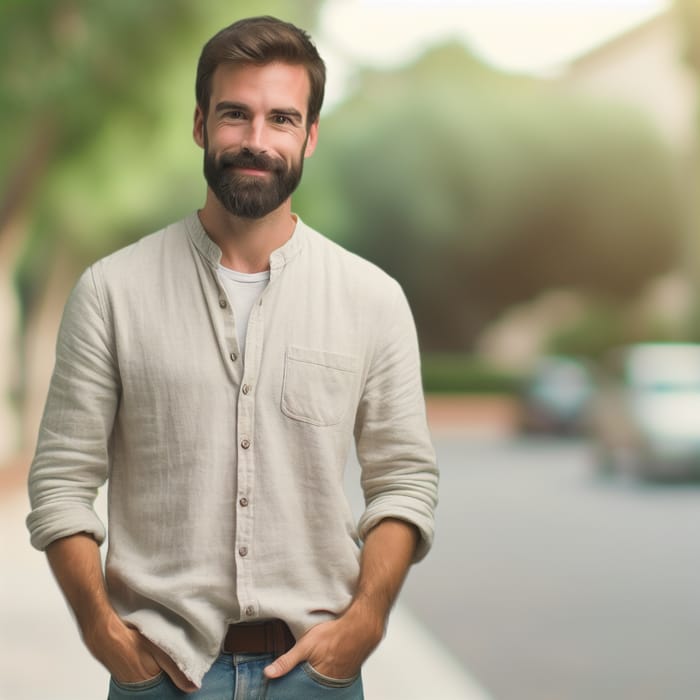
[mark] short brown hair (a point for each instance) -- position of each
(259, 41)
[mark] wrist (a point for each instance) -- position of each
(101, 624)
(363, 617)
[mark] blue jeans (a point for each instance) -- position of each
(240, 677)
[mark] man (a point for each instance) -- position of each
(216, 373)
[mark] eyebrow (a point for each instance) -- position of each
(223, 106)
(285, 111)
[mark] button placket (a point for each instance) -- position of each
(245, 591)
(245, 513)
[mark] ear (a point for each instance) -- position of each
(198, 129)
(311, 140)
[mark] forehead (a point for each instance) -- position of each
(268, 86)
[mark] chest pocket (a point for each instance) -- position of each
(318, 386)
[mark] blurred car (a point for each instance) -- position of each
(555, 397)
(645, 419)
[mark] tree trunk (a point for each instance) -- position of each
(40, 343)
(11, 238)
(23, 181)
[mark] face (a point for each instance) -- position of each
(255, 136)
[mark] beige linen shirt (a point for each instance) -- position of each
(226, 499)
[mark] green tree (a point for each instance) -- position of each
(95, 149)
(97, 103)
(478, 190)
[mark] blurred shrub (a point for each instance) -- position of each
(457, 373)
(603, 326)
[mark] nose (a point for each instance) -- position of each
(253, 139)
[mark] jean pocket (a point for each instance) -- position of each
(318, 386)
(327, 681)
(138, 686)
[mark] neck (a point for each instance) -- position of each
(246, 244)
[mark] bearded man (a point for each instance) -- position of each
(215, 374)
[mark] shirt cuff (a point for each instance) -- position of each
(49, 523)
(406, 512)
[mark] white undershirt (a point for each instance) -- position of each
(243, 290)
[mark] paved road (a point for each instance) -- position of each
(549, 583)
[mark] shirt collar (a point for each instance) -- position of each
(212, 253)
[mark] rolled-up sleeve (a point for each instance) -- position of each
(399, 470)
(71, 460)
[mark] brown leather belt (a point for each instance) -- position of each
(270, 636)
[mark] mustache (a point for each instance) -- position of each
(254, 161)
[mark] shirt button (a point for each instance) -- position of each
(233, 356)
(250, 611)
(246, 388)
(222, 303)
(243, 502)
(243, 551)
(245, 444)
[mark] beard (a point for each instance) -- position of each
(251, 196)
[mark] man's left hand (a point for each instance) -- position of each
(336, 649)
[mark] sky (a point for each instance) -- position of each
(524, 36)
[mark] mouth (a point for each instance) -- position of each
(251, 172)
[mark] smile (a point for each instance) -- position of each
(254, 172)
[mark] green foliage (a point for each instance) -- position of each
(478, 190)
(603, 326)
(459, 374)
(475, 189)
(97, 106)
(598, 329)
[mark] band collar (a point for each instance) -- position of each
(212, 253)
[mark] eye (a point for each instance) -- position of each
(234, 114)
(282, 119)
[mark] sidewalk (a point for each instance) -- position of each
(409, 646)
(35, 625)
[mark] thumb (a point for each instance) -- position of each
(282, 665)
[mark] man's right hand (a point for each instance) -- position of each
(129, 656)
(121, 649)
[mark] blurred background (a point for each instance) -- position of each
(530, 172)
